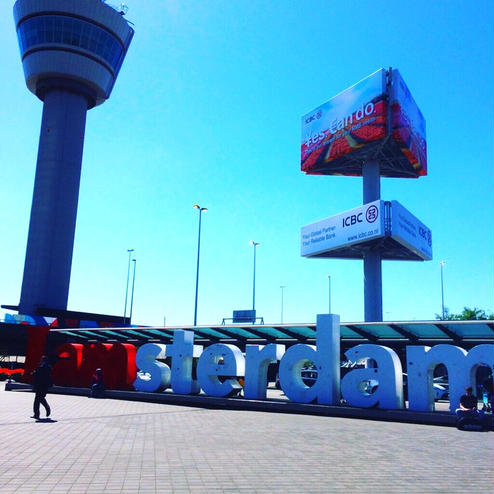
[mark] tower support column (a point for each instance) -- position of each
(373, 297)
(373, 303)
(54, 209)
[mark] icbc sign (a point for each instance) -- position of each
(350, 227)
(371, 215)
(353, 219)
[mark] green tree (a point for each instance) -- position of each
(467, 314)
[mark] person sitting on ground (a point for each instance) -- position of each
(97, 384)
(468, 405)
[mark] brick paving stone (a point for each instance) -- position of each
(118, 447)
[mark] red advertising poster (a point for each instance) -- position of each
(408, 125)
(344, 124)
(359, 124)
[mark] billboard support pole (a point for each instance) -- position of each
(373, 305)
(372, 181)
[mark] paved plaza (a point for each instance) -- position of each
(116, 446)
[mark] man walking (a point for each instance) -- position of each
(42, 381)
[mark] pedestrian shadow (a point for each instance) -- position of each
(47, 420)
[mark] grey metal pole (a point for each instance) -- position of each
(254, 282)
(197, 268)
(132, 295)
(442, 288)
(372, 259)
(282, 290)
(255, 244)
(329, 292)
(196, 206)
(371, 181)
(127, 285)
(372, 286)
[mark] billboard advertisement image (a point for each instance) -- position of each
(408, 125)
(359, 125)
(397, 233)
(351, 227)
(345, 123)
(407, 230)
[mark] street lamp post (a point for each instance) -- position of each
(442, 263)
(255, 244)
(132, 291)
(196, 206)
(127, 285)
(282, 290)
(329, 293)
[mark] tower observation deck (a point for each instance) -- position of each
(71, 51)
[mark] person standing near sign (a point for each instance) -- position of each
(42, 381)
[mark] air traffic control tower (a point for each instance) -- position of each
(71, 51)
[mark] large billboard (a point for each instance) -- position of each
(345, 123)
(351, 227)
(408, 124)
(407, 230)
(358, 125)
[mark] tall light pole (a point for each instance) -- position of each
(196, 206)
(282, 290)
(442, 263)
(329, 293)
(132, 296)
(255, 244)
(127, 285)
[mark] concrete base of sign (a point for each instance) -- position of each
(442, 418)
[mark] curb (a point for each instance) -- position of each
(270, 405)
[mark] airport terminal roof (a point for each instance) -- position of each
(404, 332)
(397, 335)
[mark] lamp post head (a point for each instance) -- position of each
(255, 244)
(130, 250)
(196, 206)
(442, 263)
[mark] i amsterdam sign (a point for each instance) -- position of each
(221, 366)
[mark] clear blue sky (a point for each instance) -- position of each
(207, 110)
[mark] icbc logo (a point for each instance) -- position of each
(426, 235)
(371, 214)
(352, 220)
(317, 116)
